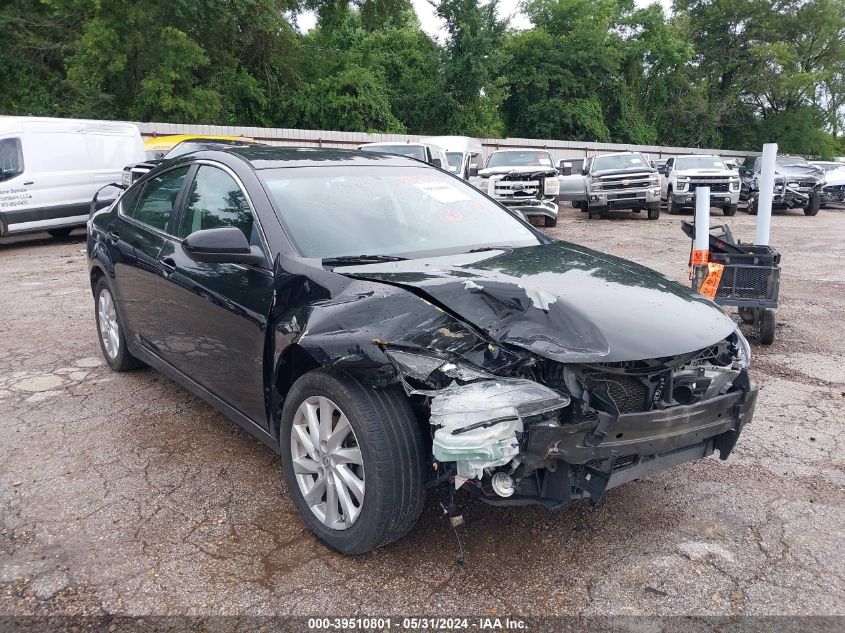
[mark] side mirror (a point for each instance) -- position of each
(585, 171)
(566, 169)
(437, 162)
(226, 245)
(473, 170)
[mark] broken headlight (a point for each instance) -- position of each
(743, 350)
(421, 367)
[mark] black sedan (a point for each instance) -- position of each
(389, 328)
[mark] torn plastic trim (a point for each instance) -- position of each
(480, 423)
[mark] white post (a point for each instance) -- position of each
(702, 219)
(764, 200)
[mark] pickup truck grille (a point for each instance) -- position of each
(626, 181)
(717, 185)
(516, 189)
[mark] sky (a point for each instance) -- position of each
(432, 25)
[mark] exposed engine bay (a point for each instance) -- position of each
(554, 433)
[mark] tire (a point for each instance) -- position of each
(729, 210)
(654, 213)
(813, 205)
(110, 330)
(747, 315)
(767, 327)
(751, 208)
(671, 209)
(59, 233)
(590, 213)
(549, 222)
(390, 445)
(582, 206)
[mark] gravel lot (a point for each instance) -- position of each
(124, 494)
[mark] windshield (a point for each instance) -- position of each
(621, 161)
(700, 162)
(455, 160)
(414, 151)
(830, 166)
(791, 160)
(406, 211)
(520, 159)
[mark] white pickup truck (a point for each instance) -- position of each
(682, 174)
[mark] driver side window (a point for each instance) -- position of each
(215, 200)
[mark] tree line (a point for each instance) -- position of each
(714, 73)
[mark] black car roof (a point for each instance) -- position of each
(269, 157)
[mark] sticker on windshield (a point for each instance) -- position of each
(636, 161)
(441, 191)
(544, 160)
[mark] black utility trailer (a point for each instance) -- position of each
(750, 278)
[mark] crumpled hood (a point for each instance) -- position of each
(498, 171)
(563, 302)
(799, 171)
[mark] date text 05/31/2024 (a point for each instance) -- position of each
(416, 624)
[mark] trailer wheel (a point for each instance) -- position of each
(813, 205)
(767, 327)
(747, 315)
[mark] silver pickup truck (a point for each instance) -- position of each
(610, 182)
(524, 180)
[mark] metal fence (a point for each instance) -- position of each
(350, 140)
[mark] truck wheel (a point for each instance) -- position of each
(582, 206)
(751, 208)
(353, 458)
(729, 210)
(671, 209)
(813, 205)
(549, 222)
(653, 213)
(767, 327)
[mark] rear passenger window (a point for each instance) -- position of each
(11, 158)
(215, 200)
(155, 205)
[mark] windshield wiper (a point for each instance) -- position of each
(361, 259)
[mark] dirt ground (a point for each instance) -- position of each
(124, 494)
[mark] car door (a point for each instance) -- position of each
(135, 238)
(214, 316)
(664, 179)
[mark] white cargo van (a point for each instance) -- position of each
(421, 151)
(462, 152)
(51, 168)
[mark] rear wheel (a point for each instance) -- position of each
(110, 330)
(353, 458)
(767, 327)
(813, 205)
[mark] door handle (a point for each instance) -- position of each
(113, 237)
(168, 266)
(29, 182)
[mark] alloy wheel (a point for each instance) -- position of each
(327, 462)
(109, 328)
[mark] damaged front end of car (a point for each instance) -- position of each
(555, 433)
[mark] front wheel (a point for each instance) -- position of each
(653, 213)
(752, 205)
(729, 210)
(353, 458)
(813, 205)
(549, 222)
